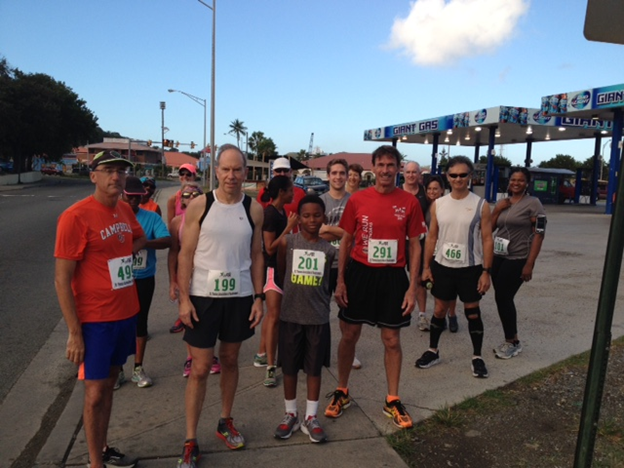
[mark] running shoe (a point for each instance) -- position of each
(190, 455)
(177, 327)
(270, 380)
(340, 401)
(398, 413)
(356, 363)
(111, 456)
(187, 367)
(260, 360)
(289, 424)
(428, 359)
(228, 433)
(140, 378)
(121, 378)
(478, 369)
(423, 323)
(453, 325)
(312, 428)
(508, 350)
(216, 366)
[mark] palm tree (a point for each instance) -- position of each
(237, 128)
(266, 148)
(254, 141)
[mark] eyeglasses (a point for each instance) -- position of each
(190, 194)
(281, 171)
(109, 172)
(463, 175)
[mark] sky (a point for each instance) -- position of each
(290, 68)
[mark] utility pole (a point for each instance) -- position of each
(163, 106)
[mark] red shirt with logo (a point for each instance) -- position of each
(99, 238)
(380, 224)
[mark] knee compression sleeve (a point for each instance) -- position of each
(436, 329)
(475, 327)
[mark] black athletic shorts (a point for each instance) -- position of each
(225, 318)
(448, 283)
(306, 347)
(375, 296)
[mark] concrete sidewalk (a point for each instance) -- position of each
(556, 316)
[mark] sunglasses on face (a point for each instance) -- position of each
(281, 171)
(190, 194)
(185, 174)
(463, 175)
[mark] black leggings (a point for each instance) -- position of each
(506, 280)
(145, 290)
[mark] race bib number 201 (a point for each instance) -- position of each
(308, 262)
(120, 270)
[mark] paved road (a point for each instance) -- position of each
(28, 309)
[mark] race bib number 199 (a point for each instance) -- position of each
(223, 283)
(120, 270)
(382, 251)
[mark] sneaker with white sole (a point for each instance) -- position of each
(289, 424)
(428, 359)
(356, 363)
(478, 368)
(111, 456)
(312, 428)
(121, 378)
(187, 367)
(141, 378)
(260, 360)
(270, 380)
(229, 434)
(508, 350)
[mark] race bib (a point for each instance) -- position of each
(382, 251)
(308, 263)
(501, 246)
(223, 283)
(140, 260)
(454, 252)
(120, 270)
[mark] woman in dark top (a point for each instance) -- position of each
(276, 225)
(518, 239)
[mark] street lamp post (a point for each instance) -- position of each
(213, 8)
(201, 102)
(162, 135)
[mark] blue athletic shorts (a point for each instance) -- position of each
(107, 344)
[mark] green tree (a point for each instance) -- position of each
(237, 128)
(267, 148)
(560, 161)
(302, 155)
(40, 115)
(254, 142)
(500, 161)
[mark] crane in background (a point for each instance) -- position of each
(309, 155)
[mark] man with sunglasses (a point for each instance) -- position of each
(96, 240)
(144, 269)
(458, 259)
(281, 166)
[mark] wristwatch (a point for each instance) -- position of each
(487, 270)
(260, 296)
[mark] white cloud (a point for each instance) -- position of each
(440, 32)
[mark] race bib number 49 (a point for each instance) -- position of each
(223, 283)
(120, 270)
(382, 251)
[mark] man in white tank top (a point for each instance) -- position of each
(460, 239)
(220, 279)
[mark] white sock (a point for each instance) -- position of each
(291, 406)
(422, 314)
(311, 408)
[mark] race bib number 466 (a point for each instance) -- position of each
(454, 252)
(120, 270)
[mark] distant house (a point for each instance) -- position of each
(145, 158)
(319, 165)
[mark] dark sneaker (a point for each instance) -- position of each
(289, 424)
(190, 455)
(187, 367)
(312, 428)
(428, 359)
(228, 433)
(177, 327)
(111, 456)
(398, 413)
(478, 369)
(270, 380)
(453, 325)
(340, 401)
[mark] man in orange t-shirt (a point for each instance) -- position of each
(96, 239)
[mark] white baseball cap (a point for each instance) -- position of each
(281, 163)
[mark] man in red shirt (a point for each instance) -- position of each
(96, 239)
(281, 166)
(373, 287)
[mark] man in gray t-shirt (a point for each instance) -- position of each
(335, 201)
